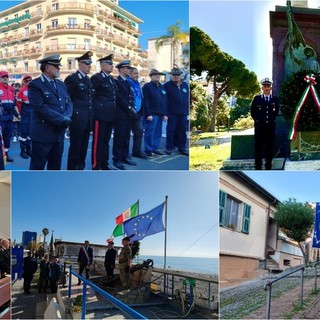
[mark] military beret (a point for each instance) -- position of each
(107, 59)
(124, 63)
(85, 58)
(53, 60)
(266, 81)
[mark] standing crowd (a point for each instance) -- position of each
(102, 104)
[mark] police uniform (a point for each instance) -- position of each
(178, 110)
(50, 116)
(7, 103)
(24, 108)
(122, 125)
(124, 257)
(104, 109)
(81, 93)
(264, 111)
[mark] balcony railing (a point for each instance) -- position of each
(67, 28)
(72, 7)
(68, 48)
(36, 14)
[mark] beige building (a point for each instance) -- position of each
(5, 200)
(34, 29)
(251, 243)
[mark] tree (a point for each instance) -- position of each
(226, 73)
(174, 37)
(296, 221)
(222, 113)
(241, 109)
(45, 232)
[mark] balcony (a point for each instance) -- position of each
(34, 34)
(71, 8)
(137, 48)
(36, 15)
(33, 52)
(68, 48)
(102, 52)
(119, 57)
(143, 54)
(120, 40)
(101, 14)
(4, 27)
(69, 29)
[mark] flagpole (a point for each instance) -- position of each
(165, 234)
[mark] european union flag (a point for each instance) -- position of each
(145, 224)
(316, 233)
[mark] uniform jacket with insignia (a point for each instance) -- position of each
(264, 112)
(50, 108)
(7, 102)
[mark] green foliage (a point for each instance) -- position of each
(199, 112)
(222, 113)
(227, 73)
(295, 219)
(242, 109)
(244, 122)
(290, 95)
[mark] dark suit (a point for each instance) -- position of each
(54, 275)
(122, 124)
(80, 91)
(29, 268)
(104, 109)
(50, 109)
(85, 258)
(264, 114)
(110, 261)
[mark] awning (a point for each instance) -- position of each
(3, 61)
(12, 60)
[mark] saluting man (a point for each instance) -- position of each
(104, 109)
(264, 110)
(80, 91)
(50, 116)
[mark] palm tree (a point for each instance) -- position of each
(174, 37)
(45, 232)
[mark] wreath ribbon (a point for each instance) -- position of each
(310, 79)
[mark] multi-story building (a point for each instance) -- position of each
(5, 188)
(37, 28)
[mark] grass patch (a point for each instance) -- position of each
(209, 159)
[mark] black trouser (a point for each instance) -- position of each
(176, 132)
(46, 153)
(137, 130)
(121, 139)
(109, 271)
(27, 282)
(79, 139)
(53, 286)
(264, 134)
(100, 144)
(83, 266)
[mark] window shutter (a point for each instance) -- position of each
(222, 207)
(246, 218)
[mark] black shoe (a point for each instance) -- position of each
(158, 152)
(139, 155)
(184, 152)
(23, 154)
(128, 161)
(28, 151)
(119, 165)
(149, 155)
(169, 152)
(9, 159)
(108, 167)
(79, 282)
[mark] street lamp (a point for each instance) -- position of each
(228, 122)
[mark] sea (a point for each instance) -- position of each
(192, 264)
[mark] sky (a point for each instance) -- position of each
(83, 205)
(157, 16)
(240, 28)
(301, 185)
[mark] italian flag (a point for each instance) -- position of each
(129, 213)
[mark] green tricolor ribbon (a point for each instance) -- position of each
(310, 78)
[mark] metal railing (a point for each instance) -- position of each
(315, 275)
(268, 287)
(119, 304)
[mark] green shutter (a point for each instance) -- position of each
(246, 218)
(222, 207)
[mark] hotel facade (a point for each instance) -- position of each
(34, 29)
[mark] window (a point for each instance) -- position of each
(87, 24)
(26, 66)
(233, 213)
(87, 45)
(72, 23)
(71, 64)
(38, 26)
(26, 31)
(54, 23)
(55, 6)
(71, 43)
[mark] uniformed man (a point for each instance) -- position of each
(264, 110)
(24, 108)
(125, 262)
(80, 91)
(104, 109)
(51, 115)
(125, 112)
(178, 110)
(7, 110)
